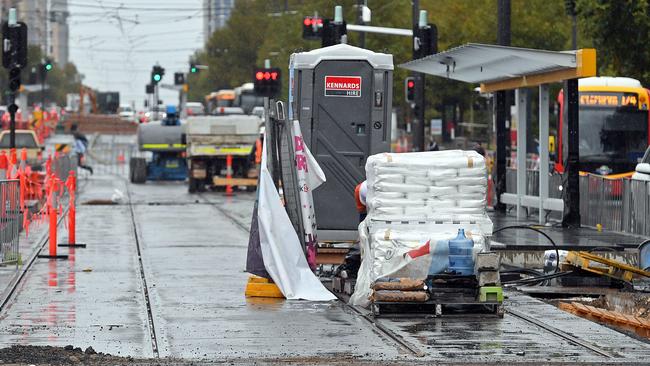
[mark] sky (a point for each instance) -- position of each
(115, 43)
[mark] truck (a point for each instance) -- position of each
(163, 140)
(213, 141)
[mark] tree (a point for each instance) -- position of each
(620, 32)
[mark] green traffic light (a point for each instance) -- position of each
(157, 77)
(193, 70)
(49, 67)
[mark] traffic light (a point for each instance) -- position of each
(179, 78)
(570, 7)
(333, 31)
(409, 89)
(193, 68)
(48, 65)
(425, 41)
(157, 74)
(267, 81)
(14, 79)
(14, 40)
(312, 27)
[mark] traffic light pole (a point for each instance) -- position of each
(417, 125)
(155, 102)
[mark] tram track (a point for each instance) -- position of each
(143, 277)
(376, 326)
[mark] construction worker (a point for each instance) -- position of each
(360, 192)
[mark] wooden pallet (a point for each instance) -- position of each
(640, 326)
(603, 266)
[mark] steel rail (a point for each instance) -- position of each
(145, 288)
(559, 333)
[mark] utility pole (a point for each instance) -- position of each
(417, 125)
(502, 108)
(360, 6)
(425, 43)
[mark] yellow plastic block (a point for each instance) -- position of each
(262, 287)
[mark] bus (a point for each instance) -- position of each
(613, 125)
(221, 98)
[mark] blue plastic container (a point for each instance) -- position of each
(461, 260)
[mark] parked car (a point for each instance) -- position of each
(642, 170)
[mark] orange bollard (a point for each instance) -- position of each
(71, 184)
(228, 175)
(52, 211)
(258, 151)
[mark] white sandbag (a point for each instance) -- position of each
(434, 174)
(471, 172)
(389, 195)
(473, 189)
(423, 181)
(460, 181)
(471, 203)
(390, 178)
(397, 187)
(443, 191)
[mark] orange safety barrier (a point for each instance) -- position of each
(228, 175)
(52, 186)
(71, 184)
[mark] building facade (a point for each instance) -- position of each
(216, 15)
(59, 32)
(47, 23)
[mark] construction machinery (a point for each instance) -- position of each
(223, 150)
(164, 139)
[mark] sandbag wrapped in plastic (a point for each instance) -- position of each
(409, 251)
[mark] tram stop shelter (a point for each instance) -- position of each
(498, 69)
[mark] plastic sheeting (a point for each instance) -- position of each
(283, 256)
(405, 251)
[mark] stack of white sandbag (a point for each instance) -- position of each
(445, 186)
(416, 203)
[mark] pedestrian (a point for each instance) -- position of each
(80, 147)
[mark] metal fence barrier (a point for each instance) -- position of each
(110, 154)
(636, 207)
(613, 204)
(10, 221)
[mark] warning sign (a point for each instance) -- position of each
(342, 86)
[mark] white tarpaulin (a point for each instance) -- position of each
(281, 248)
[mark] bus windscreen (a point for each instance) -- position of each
(613, 132)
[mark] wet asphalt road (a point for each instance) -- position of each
(193, 259)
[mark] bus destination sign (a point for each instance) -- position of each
(609, 99)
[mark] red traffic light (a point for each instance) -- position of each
(267, 75)
(410, 83)
(274, 75)
(259, 75)
(307, 22)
